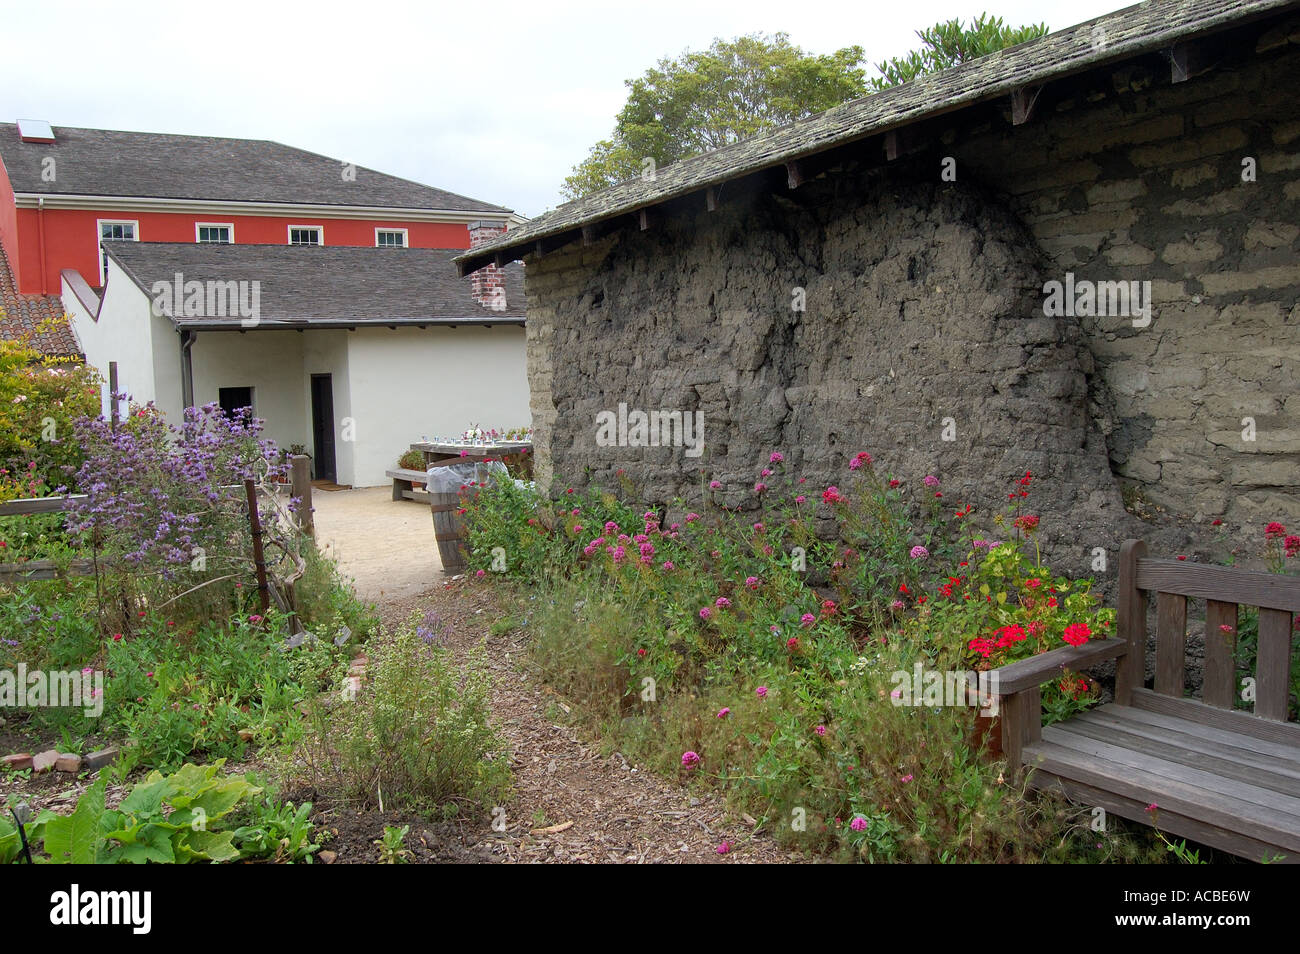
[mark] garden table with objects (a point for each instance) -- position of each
(439, 453)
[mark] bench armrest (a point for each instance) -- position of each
(1021, 703)
(1036, 670)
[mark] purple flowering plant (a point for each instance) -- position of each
(167, 503)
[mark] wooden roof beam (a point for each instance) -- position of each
(794, 177)
(1192, 58)
(1023, 101)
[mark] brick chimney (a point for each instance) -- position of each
(488, 284)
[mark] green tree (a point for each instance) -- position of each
(949, 43)
(704, 100)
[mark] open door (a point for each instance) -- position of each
(322, 427)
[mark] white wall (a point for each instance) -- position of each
(410, 382)
(271, 363)
(145, 346)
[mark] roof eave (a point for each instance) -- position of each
(115, 203)
(306, 324)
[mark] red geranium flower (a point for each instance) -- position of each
(1077, 634)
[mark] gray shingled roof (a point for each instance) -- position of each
(1141, 29)
(158, 165)
(325, 285)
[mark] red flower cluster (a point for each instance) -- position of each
(1008, 635)
(832, 495)
(1077, 634)
(1075, 688)
(1028, 523)
(1274, 530)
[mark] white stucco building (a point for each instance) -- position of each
(352, 353)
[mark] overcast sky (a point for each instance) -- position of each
(492, 100)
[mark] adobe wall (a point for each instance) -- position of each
(924, 301)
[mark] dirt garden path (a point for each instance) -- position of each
(570, 803)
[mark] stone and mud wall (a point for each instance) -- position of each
(888, 307)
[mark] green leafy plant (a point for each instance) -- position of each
(276, 830)
(392, 847)
(178, 818)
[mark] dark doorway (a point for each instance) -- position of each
(322, 426)
(234, 399)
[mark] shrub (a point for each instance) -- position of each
(416, 736)
(40, 398)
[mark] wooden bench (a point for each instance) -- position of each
(403, 479)
(1223, 777)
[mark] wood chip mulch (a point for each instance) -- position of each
(570, 804)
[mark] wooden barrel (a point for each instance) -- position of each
(449, 528)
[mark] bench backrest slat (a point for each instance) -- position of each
(1272, 687)
(1219, 677)
(1171, 643)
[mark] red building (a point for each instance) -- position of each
(63, 190)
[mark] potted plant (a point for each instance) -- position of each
(412, 460)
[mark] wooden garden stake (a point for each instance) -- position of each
(259, 561)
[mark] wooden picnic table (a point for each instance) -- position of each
(452, 452)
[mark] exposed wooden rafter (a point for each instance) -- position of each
(793, 174)
(1022, 104)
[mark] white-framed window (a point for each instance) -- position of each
(306, 235)
(214, 233)
(390, 238)
(120, 229)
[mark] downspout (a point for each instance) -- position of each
(40, 232)
(187, 369)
